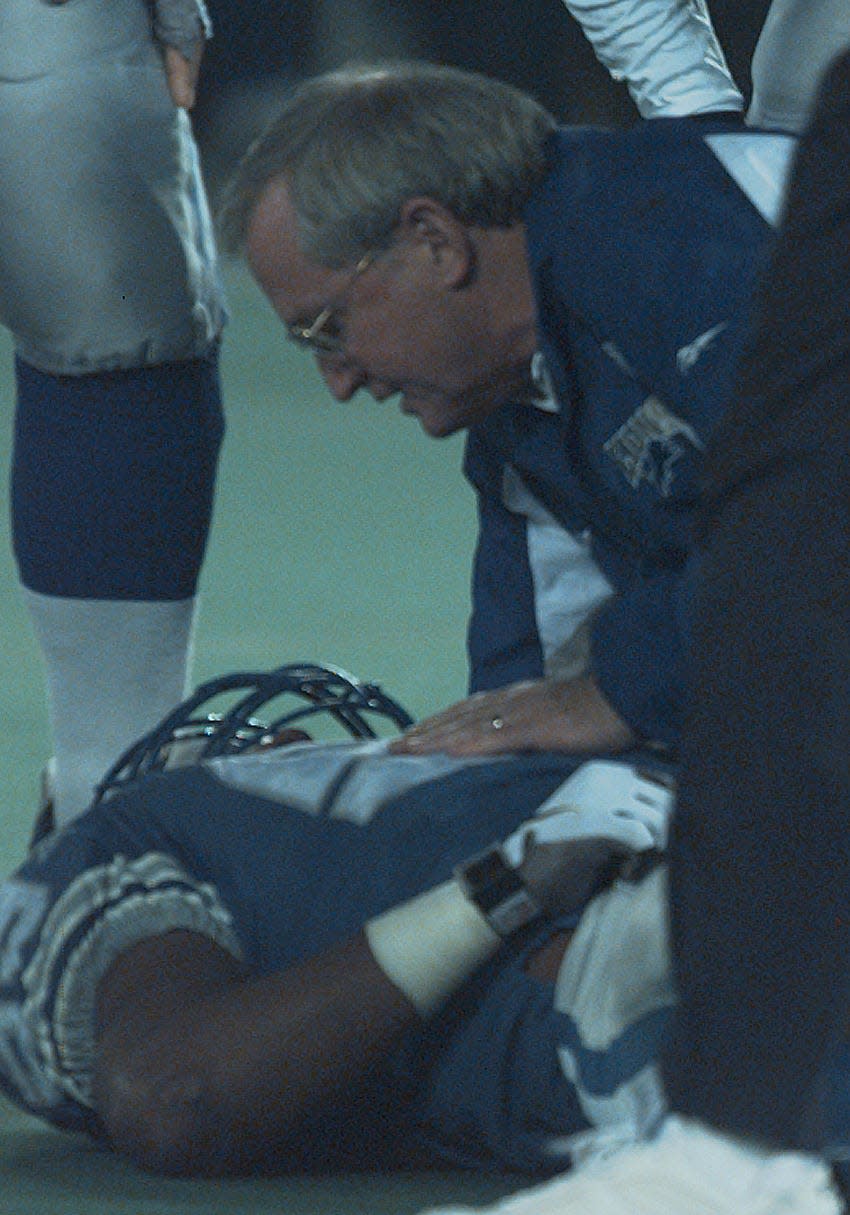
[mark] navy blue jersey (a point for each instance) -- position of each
(644, 254)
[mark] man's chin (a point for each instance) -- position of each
(436, 419)
(440, 428)
(441, 417)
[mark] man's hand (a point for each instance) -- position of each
(535, 715)
(181, 27)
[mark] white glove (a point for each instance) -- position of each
(581, 837)
(602, 799)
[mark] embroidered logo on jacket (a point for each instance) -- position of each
(649, 445)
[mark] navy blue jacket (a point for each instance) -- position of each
(644, 253)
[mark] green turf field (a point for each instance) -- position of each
(341, 534)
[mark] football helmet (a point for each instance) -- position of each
(251, 709)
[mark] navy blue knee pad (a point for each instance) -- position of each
(113, 476)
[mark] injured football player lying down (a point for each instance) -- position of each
(324, 955)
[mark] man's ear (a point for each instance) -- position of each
(433, 229)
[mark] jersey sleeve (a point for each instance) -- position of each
(666, 52)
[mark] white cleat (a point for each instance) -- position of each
(687, 1170)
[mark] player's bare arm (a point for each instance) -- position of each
(533, 715)
(203, 1071)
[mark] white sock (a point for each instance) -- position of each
(114, 668)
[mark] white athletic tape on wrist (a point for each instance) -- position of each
(430, 945)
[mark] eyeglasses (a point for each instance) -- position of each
(323, 335)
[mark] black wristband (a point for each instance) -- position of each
(497, 891)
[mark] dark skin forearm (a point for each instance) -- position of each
(201, 1069)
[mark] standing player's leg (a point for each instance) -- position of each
(110, 288)
(112, 485)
